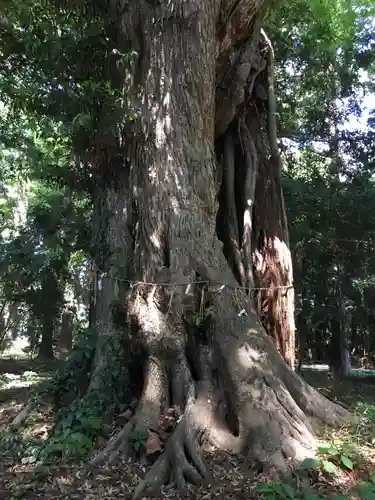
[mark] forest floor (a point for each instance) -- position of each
(22, 477)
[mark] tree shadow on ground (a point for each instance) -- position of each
(20, 366)
(18, 379)
(349, 390)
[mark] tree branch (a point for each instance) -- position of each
(272, 127)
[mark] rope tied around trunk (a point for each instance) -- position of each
(135, 283)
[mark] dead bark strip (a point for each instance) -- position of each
(251, 168)
(230, 203)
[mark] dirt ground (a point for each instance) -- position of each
(230, 478)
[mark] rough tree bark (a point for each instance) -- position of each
(200, 165)
(65, 340)
(46, 345)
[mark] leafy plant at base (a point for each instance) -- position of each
(67, 445)
(83, 420)
(284, 491)
(336, 455)
(274, 491)
(138, 441)
(341, 455)
(13, 442)
(64, 387)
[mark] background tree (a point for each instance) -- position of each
(329, 174)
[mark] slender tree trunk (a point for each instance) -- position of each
(340, 356)
(49, 315)
(3, 330)
(65, 342)
(15, 319)
(303, 331)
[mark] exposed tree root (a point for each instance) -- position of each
(146, 416)
(274, 434)
(274, 407)
(119, 442)
(20, 418)
(316, 406)
(182, 384)
(182, 461)
(279, 434)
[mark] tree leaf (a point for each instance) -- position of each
(347, 462)
(310, 463)
(289, 490)
(332, 451)
(366, 491)
(324, 448)
(264, 488)
(283, 491)
(329, 467)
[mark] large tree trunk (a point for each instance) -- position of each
(65, 340)
(189, 171)
(45, 351)
(48, 316)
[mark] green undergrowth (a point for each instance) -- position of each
(76, 418)
(284, 491)
(344, 466)
(319, 478)
(69, 381)
(79, 425)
